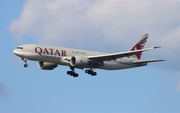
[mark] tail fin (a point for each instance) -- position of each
(139, 45)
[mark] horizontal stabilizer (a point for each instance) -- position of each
(146, 61)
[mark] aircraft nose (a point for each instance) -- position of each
(16, 52)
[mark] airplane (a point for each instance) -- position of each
(49, 57)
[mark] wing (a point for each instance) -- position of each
(115, 56)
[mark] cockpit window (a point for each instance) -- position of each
(19, 47)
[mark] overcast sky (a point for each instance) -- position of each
(98, 25)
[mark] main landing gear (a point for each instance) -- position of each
(91, 72)
(72, 72)
(25, 62)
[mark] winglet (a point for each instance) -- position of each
(157, 47)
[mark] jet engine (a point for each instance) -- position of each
(78, 61)
(47, 65)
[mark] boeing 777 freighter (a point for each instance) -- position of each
(49, 57)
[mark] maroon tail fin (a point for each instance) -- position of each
(139, 45)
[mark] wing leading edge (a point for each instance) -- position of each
(115, 56)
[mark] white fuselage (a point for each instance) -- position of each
(49, 57)
(61, 56)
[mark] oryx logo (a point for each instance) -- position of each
(138, 46)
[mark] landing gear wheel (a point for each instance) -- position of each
(75, 75)
(68, 72)
(25, 61)
(86, 71)
(91, 72)
(94, 74)
(72, 73)
(25, 65)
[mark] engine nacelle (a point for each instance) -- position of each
(47, 65)
(79, 61)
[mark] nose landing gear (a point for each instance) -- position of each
(25, 65)
(25, 61)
